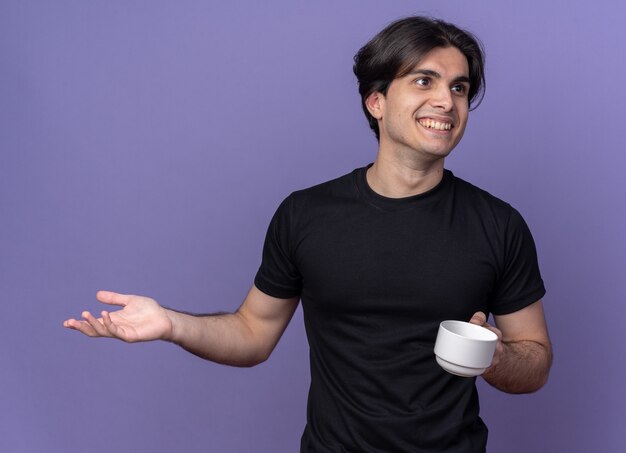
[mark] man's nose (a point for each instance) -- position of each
(442, 98)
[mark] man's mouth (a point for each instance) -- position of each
(429, 123)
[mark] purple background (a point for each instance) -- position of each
(145, 145)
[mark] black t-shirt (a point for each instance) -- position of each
(376, 276)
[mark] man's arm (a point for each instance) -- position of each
(523, 356)
(244, 338)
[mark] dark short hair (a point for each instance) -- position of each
(400, 46)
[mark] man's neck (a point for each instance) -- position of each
(398, 179)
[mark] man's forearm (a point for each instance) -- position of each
(523, 367)
(220, 338)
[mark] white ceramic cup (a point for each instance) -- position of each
(464, 349)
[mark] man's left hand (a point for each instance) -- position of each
(480, 319)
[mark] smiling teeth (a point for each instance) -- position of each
(432, 124)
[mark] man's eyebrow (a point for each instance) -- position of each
(436, 75)
(428, 72)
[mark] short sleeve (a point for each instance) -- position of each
(519, 283)
(278, 276)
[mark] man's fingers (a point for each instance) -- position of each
(115, 330)
(479, 318)
(96, 324)
(82, 326)
(111, 298)
(112, 328)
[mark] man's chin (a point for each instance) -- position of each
(437, 153)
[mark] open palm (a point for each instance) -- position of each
(140, 319)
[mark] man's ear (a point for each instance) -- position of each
(375, 104)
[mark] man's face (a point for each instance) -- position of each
(424, 113)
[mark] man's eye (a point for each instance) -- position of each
(424, 81)
(460, 89)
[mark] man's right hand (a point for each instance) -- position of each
(244, 338)
(140, 319)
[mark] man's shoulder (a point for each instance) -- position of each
(478, 194)
(341, 186)
(323, 199)
(484, 204)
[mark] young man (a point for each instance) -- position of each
(379, 258)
